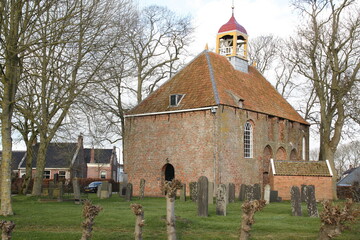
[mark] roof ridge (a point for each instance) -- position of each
(212, 78)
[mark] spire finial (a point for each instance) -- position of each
(232, 7)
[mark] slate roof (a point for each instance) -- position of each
(17, 156)
(101, 155)
(231, 25)
(352, 177)
(301, 168)
(58, 155)
(210, 80)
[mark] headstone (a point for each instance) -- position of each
(58, 192)
(303, 186)
(110, 189)
(295, 201)
(274, 196)
(104, 190)
(242, 192)
(51, 189)
(98, 191)
(203, 201)
(231, 192)
(257, 191)
(267, 189)
(129, 189)
(249, 193)
(193, 191)
(76, 187)
(311, 201)
(183, 192)
(211, 193)
(221, 200)
(142, 188)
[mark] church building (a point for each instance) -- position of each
(219, 117)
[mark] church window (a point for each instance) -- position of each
(248, 139)
(175, 99)
(303, 148)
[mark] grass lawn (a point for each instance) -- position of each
(62, 220)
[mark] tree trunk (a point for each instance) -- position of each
(40, 167)
(28, 166)
(170, 217)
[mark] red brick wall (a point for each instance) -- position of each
(283, 184)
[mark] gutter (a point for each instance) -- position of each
(213, 108)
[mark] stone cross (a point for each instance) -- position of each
(231, 192)
(295, 201)
(221, 200)
(183, 192)
(129, 192)
(193, 191)
(142, 188)
(311, 201)
(267, 189)
(203, 200)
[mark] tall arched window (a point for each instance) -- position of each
(303, 148)
(248, 140)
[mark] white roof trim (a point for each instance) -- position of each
(272, 166)
(176, 111)
(329, 167)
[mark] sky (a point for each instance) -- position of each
(259, 17)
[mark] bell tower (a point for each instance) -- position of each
(231, 41)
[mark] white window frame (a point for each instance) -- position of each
(101, 174)
(178, 98)
(46, 174)
(248, 140)
(62, 175)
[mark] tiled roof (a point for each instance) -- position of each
(101, 155)
(226, 85)
(17, 156)
(301, 168)
(232, 25)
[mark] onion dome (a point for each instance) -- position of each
(232, 25)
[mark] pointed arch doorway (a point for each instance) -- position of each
(169, 172)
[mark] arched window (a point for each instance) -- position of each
(304, 149)
(248, 140)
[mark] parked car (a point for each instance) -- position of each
(92, 187)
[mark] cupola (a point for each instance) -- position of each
(232, 42)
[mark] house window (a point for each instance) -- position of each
(175, 99)
(248, 138)
(62, 174)
(103, 174)
(46, 175)
(22, 173)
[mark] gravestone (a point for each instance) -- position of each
(58, 192)
(242, 192)
(110, 189)
(76, 188)
(295, 201)
(203, 201)
(257, 191)
(98, 191)
(104, 190)
(303, 186)
(129, 189)
(193, 191)
(231, 192)
(311, 201)
(274, 196)
(142, 188)
(249, 193)
(221, 200)
(211, 193)
(267, 189)
(51, 189)
(183, 192)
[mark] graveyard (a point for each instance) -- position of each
(36, 219)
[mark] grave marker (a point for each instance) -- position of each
(221, 200)
(129, 189)
(202, 196)
(295, 201)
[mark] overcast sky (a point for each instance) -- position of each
(259, 17)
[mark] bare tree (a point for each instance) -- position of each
(327, 53)
(347, 156)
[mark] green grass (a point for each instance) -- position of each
(62, 220)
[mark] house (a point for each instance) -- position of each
(68, 160)
(350, 176)
(219, 117)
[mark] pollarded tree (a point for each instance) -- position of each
(327, 52)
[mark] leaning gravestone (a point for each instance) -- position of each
(257, 191)
(76, 187)
(274, 196)
(249, 193)
(211, 193)
(193, 191)
(203, 201)
(303, 187)
(183, 192)
(142, 188)
(221, 200)
(311, 201)
(129, 191)
(267, 190)
(242, 192)
(231, 192)
(295, 201)
(104, 190)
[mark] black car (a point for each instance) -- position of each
(92, 188)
